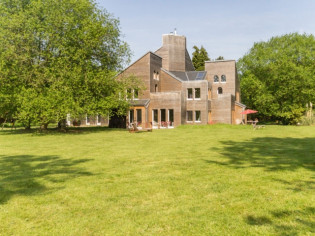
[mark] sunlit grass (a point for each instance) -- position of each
(192, 180)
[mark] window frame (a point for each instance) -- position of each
(192, 95)
(223, 76)
(199, 94)
(198, 121)
(214, 78)
(187, 116)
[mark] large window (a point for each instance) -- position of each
(155, 117)
(190, 93)
(139, 116)
(171, 117)
(189, 116)
(131, 116)
(197, 93)
(197, 116)
(223, 78)
(163, 118)
(216, 79)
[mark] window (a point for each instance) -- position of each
(223, 78)
(197, 93)
(163, 118)
(190, 93)
(98, 119)
(157, 76)
(220, 90)
(154, 75)
(155, 117)
(189, 116)
(68, 120)
(156, 88)
(87, 121)
(216, 79)
(136, 93)
(197, 116)
(131, 116)
(139, 117)
(171, 117)
(129, 94)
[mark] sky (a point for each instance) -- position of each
(227, 28)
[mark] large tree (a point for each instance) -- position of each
(58, 57)
(199, 56)
(278, 77)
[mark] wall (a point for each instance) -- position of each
(227, 68)
(195, 104)
(221, 109)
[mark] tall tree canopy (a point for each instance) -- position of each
(199, 57)
(278, 77)
(58, 57)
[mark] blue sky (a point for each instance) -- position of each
(226, 28)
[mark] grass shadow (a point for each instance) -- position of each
(270, 153)
(56, 132)
(26, 175)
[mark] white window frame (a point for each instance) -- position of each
(68, 119)
(98, 122)
(216, 82)
(197, 121)
(221, 79)
(86, 120)
(192, 116)
(168, 118)
(199, 93)
(192, 94)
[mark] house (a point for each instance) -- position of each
(176, 94)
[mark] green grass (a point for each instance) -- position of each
(192, 180)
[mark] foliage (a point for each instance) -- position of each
(278, 77)
(220, 58)
(199, 56)
(58, 57)
(208, 180)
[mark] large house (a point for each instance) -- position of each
(176, 94)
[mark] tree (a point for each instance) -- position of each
(220, 58)
(58, 57)
(278, 77)
(199, 57)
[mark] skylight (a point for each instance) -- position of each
(200, 75)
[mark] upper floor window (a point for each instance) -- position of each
(136, 93)
(129, 93)
(157, 76)
(216, 79)
(220, 90)
(189, 93)
(154, 75)
(223, 78)
(197, 93)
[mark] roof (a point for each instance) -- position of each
(189, 75)
(140, 102)
(240, 104)
(219, 61)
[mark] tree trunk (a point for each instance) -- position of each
(62, 125)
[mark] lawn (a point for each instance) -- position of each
(192, 180)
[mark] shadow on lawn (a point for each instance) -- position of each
(55, 131)
(272, 154)
(286, 222)
(26, 175)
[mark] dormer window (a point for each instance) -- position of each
(216, 79)
(223, 78)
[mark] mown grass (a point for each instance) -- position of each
(192, 180)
